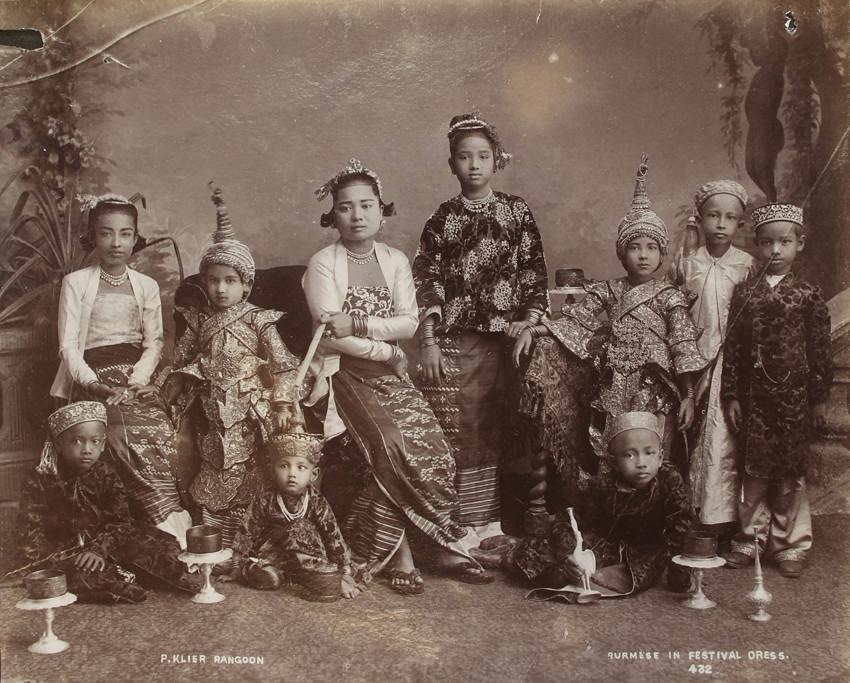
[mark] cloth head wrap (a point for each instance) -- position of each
(776, 211)
(355, 167)
(716, 187)
(641, 221)
(62, 420)
(633, 420)
(463, 123)
(226, 250)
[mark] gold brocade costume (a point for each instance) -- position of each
(239, 367)
(652, 340)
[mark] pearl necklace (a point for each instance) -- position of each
(114, 280)
(299, 513)
(361, 259)
(477, 204)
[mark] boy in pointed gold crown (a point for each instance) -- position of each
(649, 352)
(240, 376)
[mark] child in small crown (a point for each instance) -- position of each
(710, 273)
(291, 532)
(633, 517)
(237, 377)
(481, 278)
(777, 370)
(649, 352)
(74, 516)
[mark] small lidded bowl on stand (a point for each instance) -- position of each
(569, 283)
(699, 552)
(204, 551)
(47, 589)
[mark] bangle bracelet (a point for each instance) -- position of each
(690, 393)
(427, 342)
(533, 316)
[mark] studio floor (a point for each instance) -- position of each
(457, 632)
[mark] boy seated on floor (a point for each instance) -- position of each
(633, 516)
(290, 533)
(74, 516)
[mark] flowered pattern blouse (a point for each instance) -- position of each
(480, 268)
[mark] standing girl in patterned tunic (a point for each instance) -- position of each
(237, 377)
(363, 291)
(110, 342)
(480, 280)
(777, 370)
(649, 352)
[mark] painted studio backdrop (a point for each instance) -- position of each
(268, 99)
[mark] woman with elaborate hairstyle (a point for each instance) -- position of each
(362, 290)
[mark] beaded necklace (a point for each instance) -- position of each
(114, 280)
(299, 513)
(361, 259)
(477, 205)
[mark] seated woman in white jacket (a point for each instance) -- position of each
(110, 342)
(363, 291)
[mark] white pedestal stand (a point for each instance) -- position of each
(48, 644)
(205, 561)
(699, 600)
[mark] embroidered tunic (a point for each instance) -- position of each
(644, 528)
(777, 363)
(62, 513)
(651, 340)
(241, 366)
(312, 541)
(713, 473)
(481, 268)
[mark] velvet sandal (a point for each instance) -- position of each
(413, 582)
(468, 572)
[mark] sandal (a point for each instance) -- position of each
(468, 572)
(413, 583)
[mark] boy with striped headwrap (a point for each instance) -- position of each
(711, 273)
(74, 516)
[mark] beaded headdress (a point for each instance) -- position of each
(716, 187)
(777, 212)
(354, 167)
(62, 420)
(226, 250)
(474, 121)
(641, 221)
(90, 201)
(633, 420)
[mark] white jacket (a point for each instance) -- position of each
(76, 300)
(325, 286)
